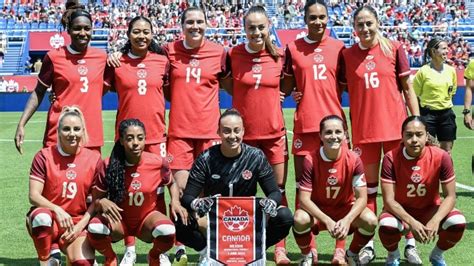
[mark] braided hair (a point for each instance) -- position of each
(73, 10)
(153, 47)
(115, 172)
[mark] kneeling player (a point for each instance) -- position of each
(411, 176)
(131, 180)
(332, 178)
(61, 178)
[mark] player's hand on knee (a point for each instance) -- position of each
(432, 229)
(269, 206)
(70, 235)
(202, 205)
(64, 219)
(179, 212)
(110, 210)
(341, 229)
(113, 60)
(419, 232)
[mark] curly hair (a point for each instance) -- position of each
(115, 172)
(73, 10)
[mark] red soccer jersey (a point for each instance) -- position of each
(139, 85)
(76, 79)
(67, 179)
(315, 66)
(194, 82)
(141, 184)
(417, 179)
(256, 93)
(331, 182)
(376, 104)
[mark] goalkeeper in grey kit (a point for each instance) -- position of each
(231, 169)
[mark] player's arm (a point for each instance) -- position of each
(449, 192)
(360, 193)
(410, 96)
(288, 81)
(226, 81)
(34, 100)
(267, 181)
(310, 207)
(195, 182)
(71, 235)
(467, 104)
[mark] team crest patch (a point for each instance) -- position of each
(136, 185)
(71, 175)
(82, 70)
(416, 178)
(257, 68)
(318, 58)
(332, 180)
(169, 158)
(194, 63)
(235, 219)
(246, 174)
(134, 175)
(56, 41)
(142, 74)
(370, 66)
(298, 144)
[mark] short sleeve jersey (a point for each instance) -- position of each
(435, 89)
(256, 91)
(213, 173)
(139, 86)
(194, 83)
(315, 66)
(469, 71)
(417, 180)
(331, 183)
(376, 104)
(76, 79)
(141, 184)
(67, 179)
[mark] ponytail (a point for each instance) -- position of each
(269, 45)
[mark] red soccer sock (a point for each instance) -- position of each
(372, 197)
(42, 238)
(304, 241)
(450, 236)
(341, 243)
(359, 241)
(82, 263)
(389, 236)
(129, 241)
(161, 244)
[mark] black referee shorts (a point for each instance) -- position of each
(441, 123)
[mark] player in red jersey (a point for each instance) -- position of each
(411, 176)
(376, 71)
(255, 69)
(311, 68)
(61, 177)
(139, 81)
(75, 75)
(126, 198)
(333, 194)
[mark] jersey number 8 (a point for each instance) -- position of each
(141, 86)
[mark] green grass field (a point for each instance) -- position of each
(16, 247)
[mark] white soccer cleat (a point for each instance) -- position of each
(164, 260)
(129, 258)
(412, 255)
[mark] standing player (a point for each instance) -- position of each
(256, 68)
(376, 71)
(435, 84)
(469, 76)
(75, 75)
(126, 198)
(411, 176)
(139, 81)
(61, 177)
(333, 194)
(311, 68)
(229, 161)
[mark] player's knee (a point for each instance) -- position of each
(41, 217)
(370, 221)
(454, 222)
(98, 227)
(284, 216)
(390, 224)
(163, 228)
(302, 218)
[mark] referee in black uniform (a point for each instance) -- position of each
(231, 169)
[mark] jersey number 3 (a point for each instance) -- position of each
(85, 84)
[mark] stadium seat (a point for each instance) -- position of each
(43, 25)
(34, 25)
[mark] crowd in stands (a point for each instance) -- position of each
(403, 23)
